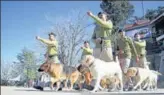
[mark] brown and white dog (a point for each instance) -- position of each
(105, 81)
(59, 72)
(100, 68)
(141, 75)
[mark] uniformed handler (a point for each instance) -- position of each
(140, 46)
(102, 37)
(86, 51)
(52, 48)
(125, 48)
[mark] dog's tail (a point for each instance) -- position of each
(158, 73)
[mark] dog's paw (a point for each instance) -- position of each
(93, 91)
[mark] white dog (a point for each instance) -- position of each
(142, 75)
(100, 68)
(152, 81)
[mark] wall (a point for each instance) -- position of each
(157, 63)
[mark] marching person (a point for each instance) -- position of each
(141, 50)
(86, 51)
(125, 47)
(52, 50)
(102, 36)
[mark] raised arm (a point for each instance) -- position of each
(105, 24)
(48, 42)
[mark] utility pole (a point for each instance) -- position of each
(143, 10)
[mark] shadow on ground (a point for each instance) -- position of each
(97, 93)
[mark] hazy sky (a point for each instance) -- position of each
(21, 21)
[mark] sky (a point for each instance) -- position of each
(21, 21)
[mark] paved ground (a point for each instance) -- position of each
(31, 91)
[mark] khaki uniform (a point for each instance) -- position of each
(102, 30)
(127, 47)
(140, 47)
(52, 50)
(87, 51)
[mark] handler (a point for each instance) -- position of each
(102, 37)
(125, 48)
(52, 48)
(51, 54)
(86, 51)
(140, 47)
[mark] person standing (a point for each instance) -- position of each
(102, 37)
(52, 52)
(86, 51)
(125, 47)
(141, 50)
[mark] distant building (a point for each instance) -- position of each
(157, 26)
(143, 28)
(140, 26)
(151, 31)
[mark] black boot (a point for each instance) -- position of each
(38, 88)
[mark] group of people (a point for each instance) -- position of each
(126, 48)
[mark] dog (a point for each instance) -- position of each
(105, 81)
(151, 82)
(111, 83)
(100, 68)
(141, 75)
(59, 72)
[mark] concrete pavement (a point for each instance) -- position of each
(47, 91)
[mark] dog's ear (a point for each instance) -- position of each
(133, 71)
(79, 67)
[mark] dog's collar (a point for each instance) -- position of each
(91, 64)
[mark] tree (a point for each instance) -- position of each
(70, 30)
(153, 13)
(118, 11)
(26, 65)
(71, 34)
(6, 69)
